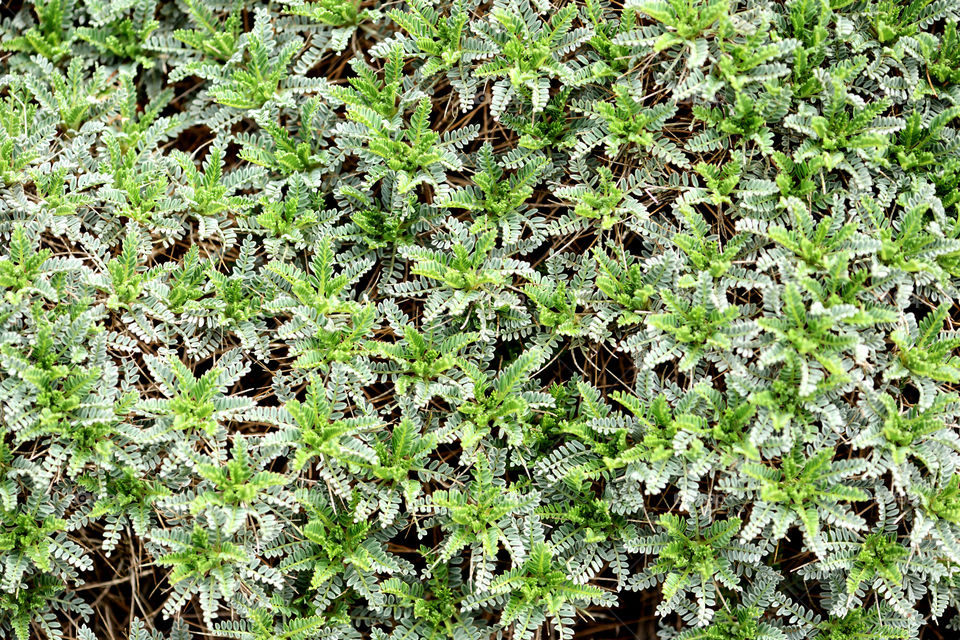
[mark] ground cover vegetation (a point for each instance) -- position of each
(423, 319)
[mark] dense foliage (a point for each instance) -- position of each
(480, 319)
